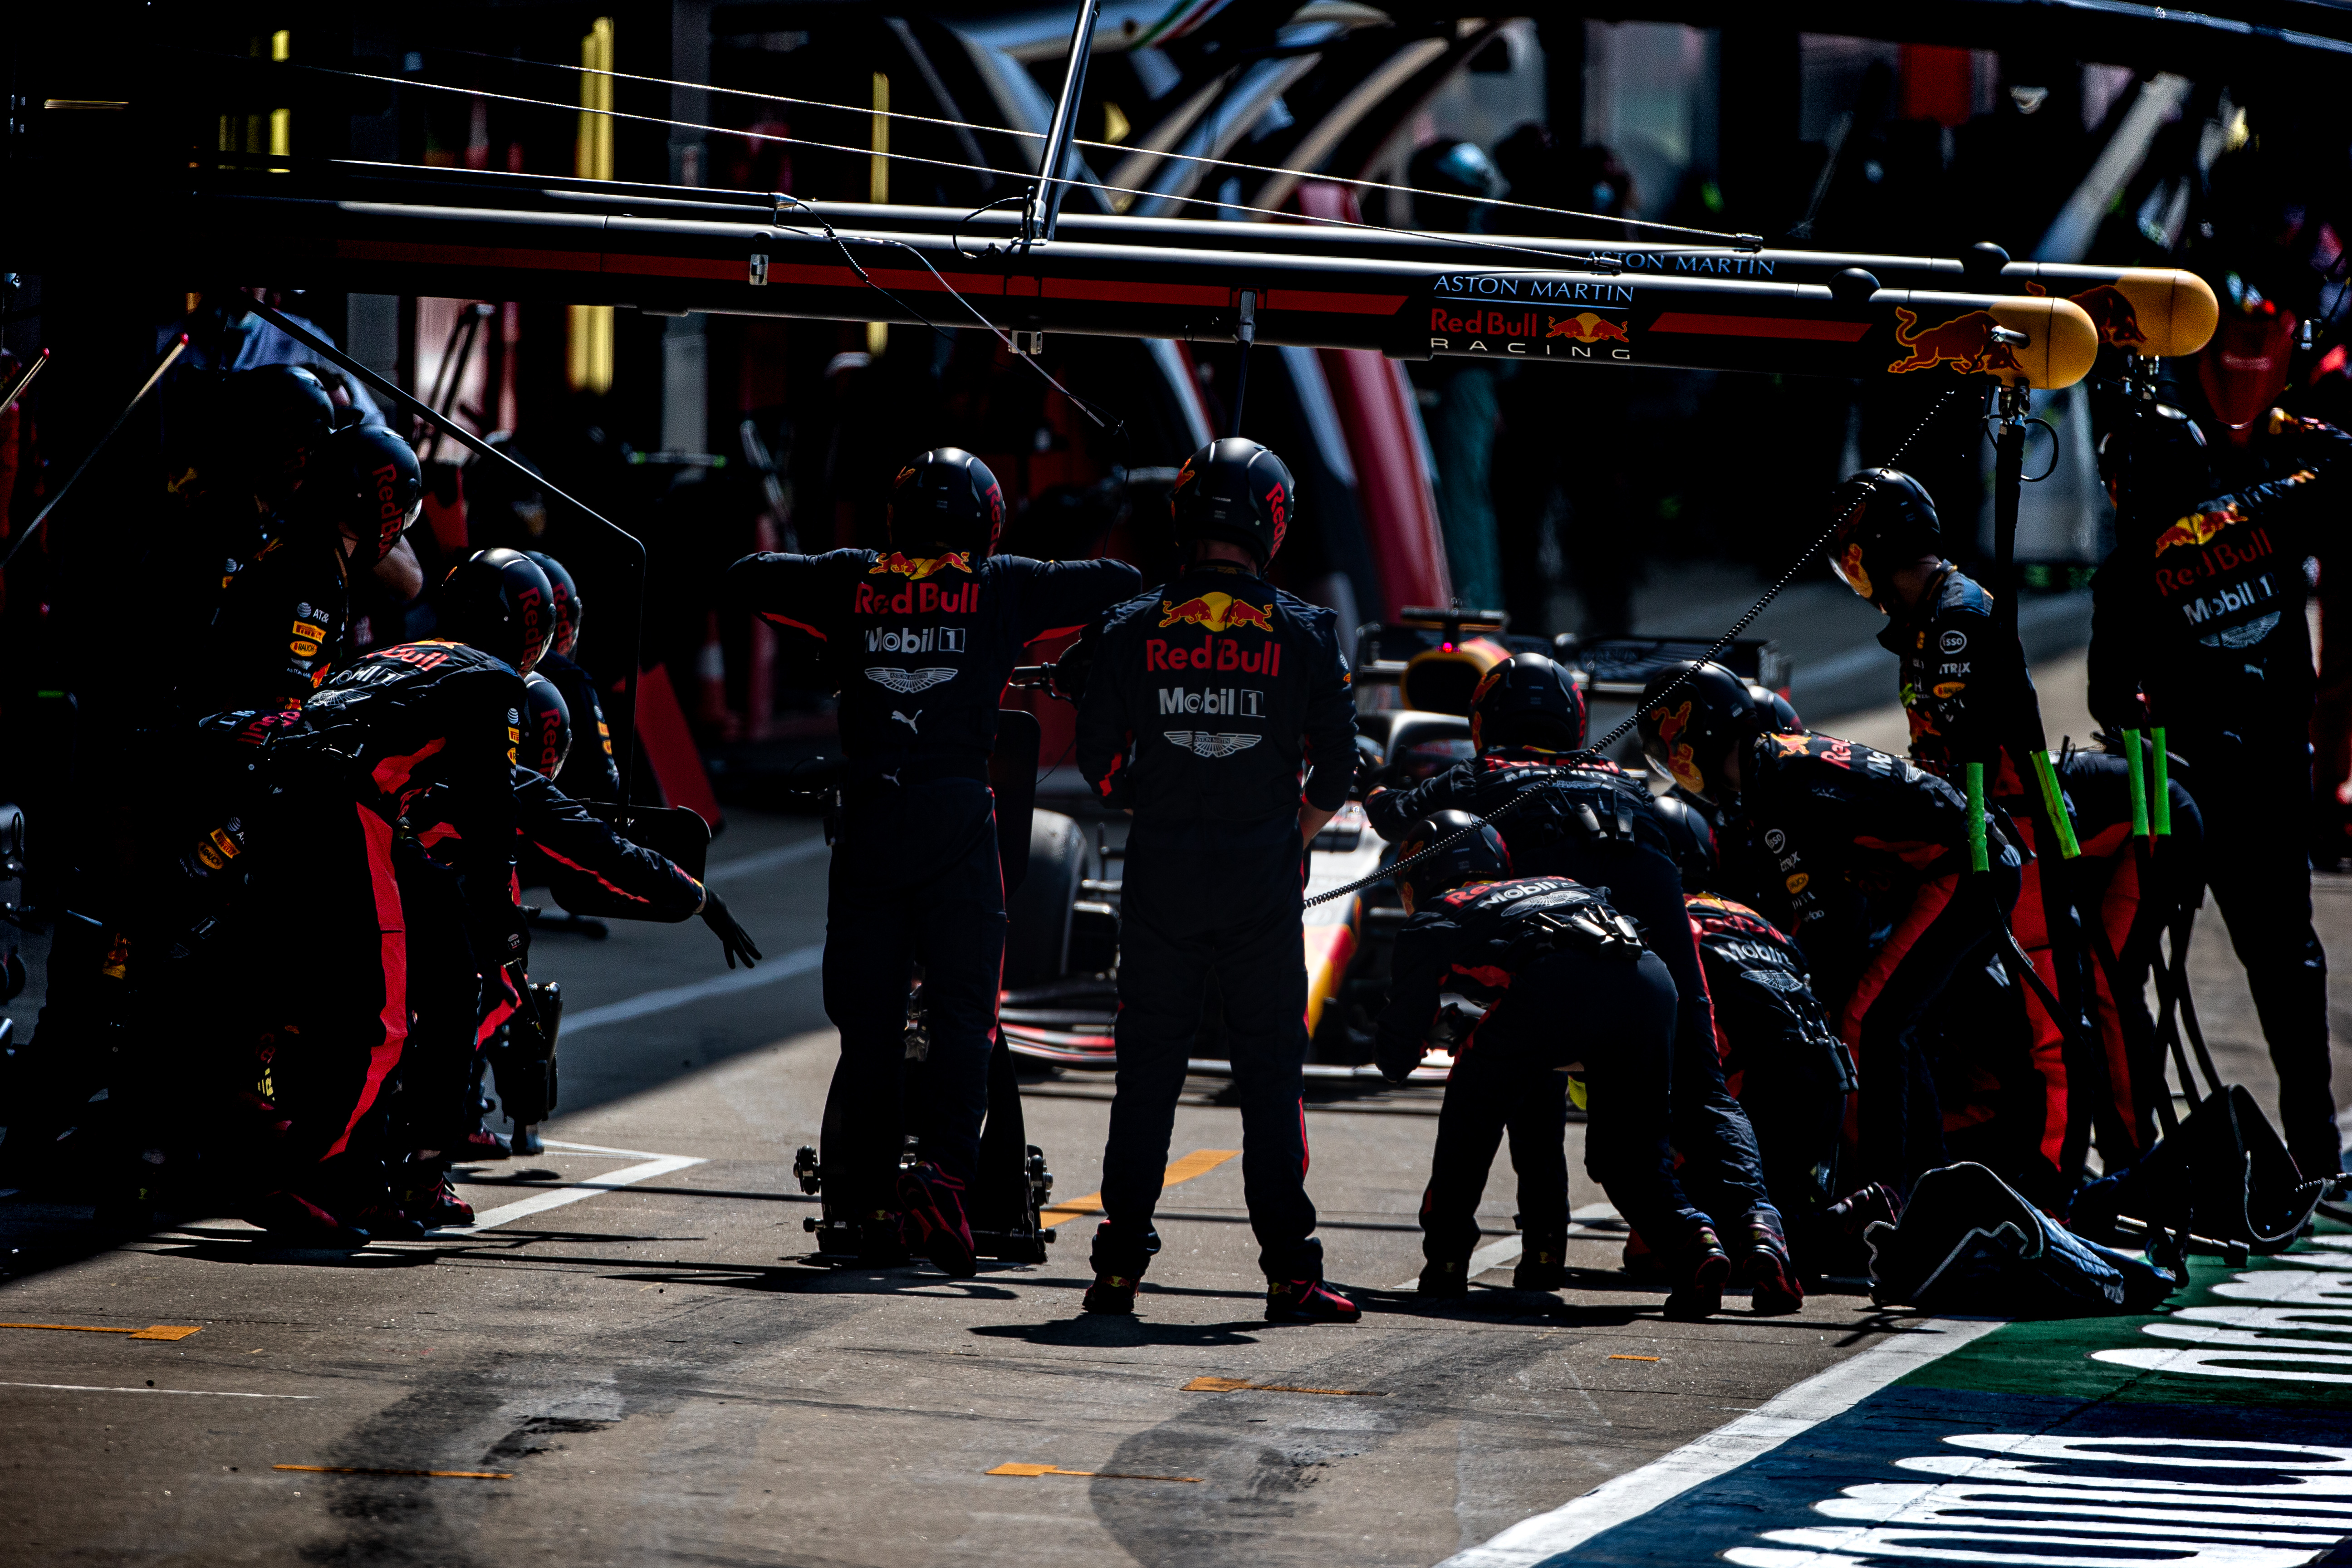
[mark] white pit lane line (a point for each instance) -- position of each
(573, 1192)
(1790, 1414)
(206, 1392)
(783, 966)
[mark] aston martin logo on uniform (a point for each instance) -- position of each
(1212, 743)
(909, 682)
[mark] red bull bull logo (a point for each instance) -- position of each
(1585, 326)
(1964, 343)
(1681, 761)
(2110, 310)
(917, 567)
(2199, 527)
(1216, 612)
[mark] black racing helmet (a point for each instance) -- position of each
(1691, 837)
(366, 482)
(1888, 521)
(947, 500)
(1236, 490)
(1692, 715)
(500, 602)
(273, 420)
(1527, 700)
(1480, 856)
(565, 634)
(546, 727)
(1782, 719)
(2155, 465)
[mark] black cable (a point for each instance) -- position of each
(179, 347)
(1595, 751)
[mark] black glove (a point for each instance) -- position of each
(1398, 1055)
(731, 937)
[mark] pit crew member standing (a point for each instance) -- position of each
(1535, 952)
(1206, 699)
(1971, 705)
(2198, 624)
(920, 641)
(1595, 823)
(1863, 843)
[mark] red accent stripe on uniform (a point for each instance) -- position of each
(1929, 902)
(391, 774)
(1761, 327)
(797, 626)
(392, 953)
(601, 880)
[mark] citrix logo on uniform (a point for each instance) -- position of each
(915, 639)
(1240, 701)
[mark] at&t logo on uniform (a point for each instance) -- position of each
(1240, 701)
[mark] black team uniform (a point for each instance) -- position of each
(1207, 699)
(920, 647)
(2198, 624)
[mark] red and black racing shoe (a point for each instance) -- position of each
(428, 1199)
(292, 1220)
(1765, 1268)
(933, 1222)
(1705, 1268)
(482, 1144)
(1113, 1295)
(1308, 1301)
(1445, 1278)
(1858, 1211)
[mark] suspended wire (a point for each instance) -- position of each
(1595, 751)
(1739, 239)
(1464, 241)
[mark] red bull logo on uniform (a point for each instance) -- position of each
(1216, 612)
(1680, 760)
(2199, 527)
(917, 599)
(1964, 343)
(918, 567)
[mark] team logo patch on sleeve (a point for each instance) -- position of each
(907, 681)
(917, 567)
(1212, 743)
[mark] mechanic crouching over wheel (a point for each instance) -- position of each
(1205, 700)
(1566, 984)
(919, 642)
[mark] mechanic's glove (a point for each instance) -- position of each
(731, 937)
(1398, 1055)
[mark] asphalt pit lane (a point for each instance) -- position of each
(523, 1441)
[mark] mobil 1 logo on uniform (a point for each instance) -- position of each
(1234, 702)
(1480, 313)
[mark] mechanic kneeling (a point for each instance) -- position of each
(919, 642)
(1566, 985)
(1569, 814)
(1205, 698)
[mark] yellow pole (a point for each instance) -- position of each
(588, 359)
(878, 187)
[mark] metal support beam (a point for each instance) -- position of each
(1044, 208)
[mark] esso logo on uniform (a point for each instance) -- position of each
(1774, 839)
(1953, 642)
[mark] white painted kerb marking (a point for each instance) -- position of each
(784, 966)
(1794, 1412)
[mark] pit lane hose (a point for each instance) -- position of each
(1595, 751)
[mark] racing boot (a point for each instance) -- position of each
(1639, 1260)
(933, 1222)
(1308, 1301)
(481, 1143)
(292, 1220)
(1699, 1280)
(1113, 1295)
(1543, 1261)
(427, 1198)
(1765, 1268)
(1858, 1211)
(1445, 1278)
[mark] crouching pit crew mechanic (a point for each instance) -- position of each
(1592, 822)
(1873, 858)
(1529, 954)
(920, 641)
(1215, 865)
